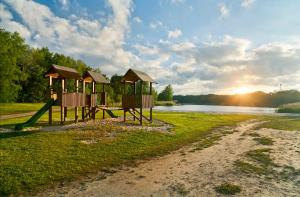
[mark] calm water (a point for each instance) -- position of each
(217, 109)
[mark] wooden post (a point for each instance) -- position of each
(134, 93)
(104, 100)
(65, 108)
(83, 108)
(76, 108)
(152, 102)
(141, 104)
(62, 114)
(122, 100)
(93, 107)
(51, 95)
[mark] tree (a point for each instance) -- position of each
(166, 94)
(12, 51)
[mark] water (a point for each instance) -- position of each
(217, 109)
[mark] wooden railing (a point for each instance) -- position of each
(73, 99)
(91, 100)
(137, 101)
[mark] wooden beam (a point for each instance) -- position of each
(76, 108)
(62, 114)
(141, 104)
(83, 108)
(151, 101)
(51, 93)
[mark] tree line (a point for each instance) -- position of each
(23, 68)
(255, 99)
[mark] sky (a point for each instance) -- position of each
(198, 46)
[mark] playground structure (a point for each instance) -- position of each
(94, 100)
(133, 101)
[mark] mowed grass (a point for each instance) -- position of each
(31, 160)
(282, 123)
(15, 108)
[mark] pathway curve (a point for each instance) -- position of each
(187, 172)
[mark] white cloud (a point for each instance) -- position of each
(177, 1)
(137, 19)
(78, 37)
(64, 4)
(224, 11)
(174, 34)
(6, 20)
(247, 3)
(156, 24)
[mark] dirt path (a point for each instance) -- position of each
(191, 172)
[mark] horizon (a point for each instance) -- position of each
(199, 47)
(238, 94)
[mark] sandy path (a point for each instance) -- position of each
(195, 173)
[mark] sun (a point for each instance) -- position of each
(242, 90)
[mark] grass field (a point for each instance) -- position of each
(281, 123)
(31, 160)
(13, 108)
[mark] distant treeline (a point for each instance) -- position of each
(23, 68)
(255, 99)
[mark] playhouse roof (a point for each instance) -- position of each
(62, 72)
(90, 76)
(133, 75)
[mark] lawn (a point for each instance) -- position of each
(13, 108)
(281, 123)
(33, 160)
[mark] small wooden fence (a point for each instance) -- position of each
(137, 101)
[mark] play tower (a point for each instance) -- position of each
(134, 101)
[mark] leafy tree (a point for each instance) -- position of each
(166, 94)
(12, 51)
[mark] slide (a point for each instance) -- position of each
(36, 116)
(111, 114)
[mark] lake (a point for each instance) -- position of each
(217, 109)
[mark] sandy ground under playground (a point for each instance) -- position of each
(186, 172)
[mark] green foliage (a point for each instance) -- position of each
(23, 69)
(289, 108)
(166, 94)
(12, 52)
(255, 99)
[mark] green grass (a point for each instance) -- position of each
(281, 123)
(258, 162)
(264, 140)
(289, 108)
(32, 160)
(228, 189)
(15, 108)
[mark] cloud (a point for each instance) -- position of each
(6, 20)
(79, 37)
(156, 24)
(224, 11)
(247, 3)
(64, 4)
(177, 1)
(174, 34)
(137, 19)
